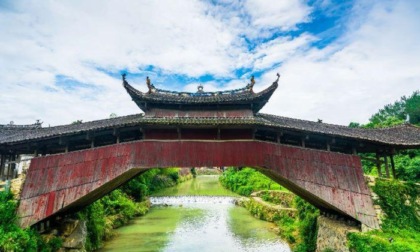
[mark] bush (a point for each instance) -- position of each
(308, 228)
(247, 180)
(151, 181)
(400, 203)
(401, 226)
(373, 242)
(94, 215)
(14, 238)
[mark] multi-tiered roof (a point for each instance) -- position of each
(221, 110)
(242, 98)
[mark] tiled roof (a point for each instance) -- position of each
(230, 97)
(403, 135)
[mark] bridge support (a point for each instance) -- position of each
(65, 182)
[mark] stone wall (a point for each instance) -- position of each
(332, 234)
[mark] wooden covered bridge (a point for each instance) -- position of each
(77, 164)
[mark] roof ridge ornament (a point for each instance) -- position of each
(250, 86)
(150, 86)
(278, 77)
(200, 89)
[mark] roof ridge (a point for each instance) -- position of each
(95, 121)
(303, 120)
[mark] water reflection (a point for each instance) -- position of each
(197, 224)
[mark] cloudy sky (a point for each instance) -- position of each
(340, 61)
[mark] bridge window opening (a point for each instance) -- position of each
(103, 140)
(342, 147)
(206, 134)
(290, 139)
(131, 135)
(76, 145)
(266, 135)
(315, 142)
(169, 134)
(232, 134)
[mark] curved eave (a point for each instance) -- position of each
(146, 100)
(404, 136)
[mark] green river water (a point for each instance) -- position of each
(197, 215)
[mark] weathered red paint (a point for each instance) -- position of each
(329, 180)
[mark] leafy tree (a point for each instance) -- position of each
(407, 163)
(399, 110)
(412, 107)
(77, 122)
(354, 125)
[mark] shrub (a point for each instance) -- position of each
(247, 180)
(14, 238)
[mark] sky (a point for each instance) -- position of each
(340, 61)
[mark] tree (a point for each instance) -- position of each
(412, 107)
(77, 122)
(397, 112)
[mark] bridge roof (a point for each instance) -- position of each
(405, 136)
(231, 99)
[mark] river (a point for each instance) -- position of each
(178, 221)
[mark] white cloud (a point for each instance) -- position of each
(378, 64)
(277, 14)
(280, 49)
(41, 40)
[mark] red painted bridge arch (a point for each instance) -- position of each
(60, 183)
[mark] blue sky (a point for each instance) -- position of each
(340, 61)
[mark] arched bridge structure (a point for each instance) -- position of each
(77, 164)
(326, 179)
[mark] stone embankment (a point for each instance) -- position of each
(332, 234)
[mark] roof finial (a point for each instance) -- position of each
(200, 89)
(149, 85)
(278, 77)
(123, 75)
(251, 85)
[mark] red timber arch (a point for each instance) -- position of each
(61, 183)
